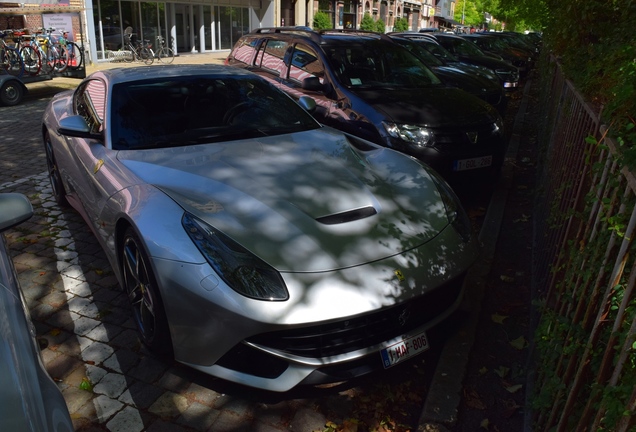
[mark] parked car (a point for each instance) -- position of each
(255, 244)
(29, 399)
(367, 85)
(487, 88)
(470, 53)
(520, 58)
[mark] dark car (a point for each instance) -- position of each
(367, 85)
(467, 78)
(29, 399)
(470, 53)
(518, 57)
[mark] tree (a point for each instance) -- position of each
(401, 24)
(322, 21)
(367, 22)
(380, 27)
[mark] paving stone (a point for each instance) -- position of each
(306, 420)
(62, 366)
(76, 398)
(83, 306)
(169, 405)
(143, 394)
(198, 416)
(84, 325)
(228, 421)
(95, 374)
(148, 370)
(97, 352)
(106, 407)
(127, 420)
(164, 426)
(201, 394)
(111, 385)
(122, 361)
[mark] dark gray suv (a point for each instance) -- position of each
(369, 86)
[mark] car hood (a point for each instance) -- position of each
(311, 191)
(434, 107)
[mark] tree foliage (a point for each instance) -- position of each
(401, 24)
(367, 22)
(322, 21)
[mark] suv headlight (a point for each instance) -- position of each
(420, 136)
(240, 269)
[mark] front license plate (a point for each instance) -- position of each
(474, 163)
(408, 347)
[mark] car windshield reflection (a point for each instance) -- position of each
(179, 111)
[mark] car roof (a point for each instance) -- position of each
(127, 74)
(322, 37)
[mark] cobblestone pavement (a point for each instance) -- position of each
(89, 344)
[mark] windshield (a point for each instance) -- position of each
(440, 52)
(378, 64)
(463, 47)
(422, 53)
(186, 110)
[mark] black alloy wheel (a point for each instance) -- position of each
(143, 294)
(59, 193)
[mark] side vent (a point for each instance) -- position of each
(348, 216)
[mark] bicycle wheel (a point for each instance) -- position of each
(75, 56)
(129, 56)
(12, 62)
(32, 60)
(166, 55)
(146, 56)
(61, 55)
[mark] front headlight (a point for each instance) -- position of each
(454, 211)
(420, 136)
(244, 272)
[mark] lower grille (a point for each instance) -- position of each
(360, 332)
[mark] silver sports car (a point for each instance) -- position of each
(255, 244)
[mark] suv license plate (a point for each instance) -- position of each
(468, 164)
(408, 347)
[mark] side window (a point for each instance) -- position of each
(90, 103)
(244, 53)
(304, 64)
(272, 55)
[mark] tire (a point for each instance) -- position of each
(129, 56)
(57, 186)
(11, 93)
(146, 56)
(32, 60)
(141, 287)
(75, 56)
(166, 55)
(61, 56)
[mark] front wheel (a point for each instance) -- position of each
(59, 193)
(166, 55)
(143, 294)
(146, 56)
(11, 93)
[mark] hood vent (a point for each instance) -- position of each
(347, 216)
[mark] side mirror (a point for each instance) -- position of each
(76, 126)
(313, 84)
(15, 208)
(307, 103)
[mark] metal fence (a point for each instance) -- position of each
(584, 274)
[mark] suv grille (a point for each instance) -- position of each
(361, 332)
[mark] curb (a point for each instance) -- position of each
(443, 398)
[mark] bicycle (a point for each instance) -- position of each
(138, 51)
(74, 53)
(10, 58)
(164, 54)
(30, 55)
(52, 57)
